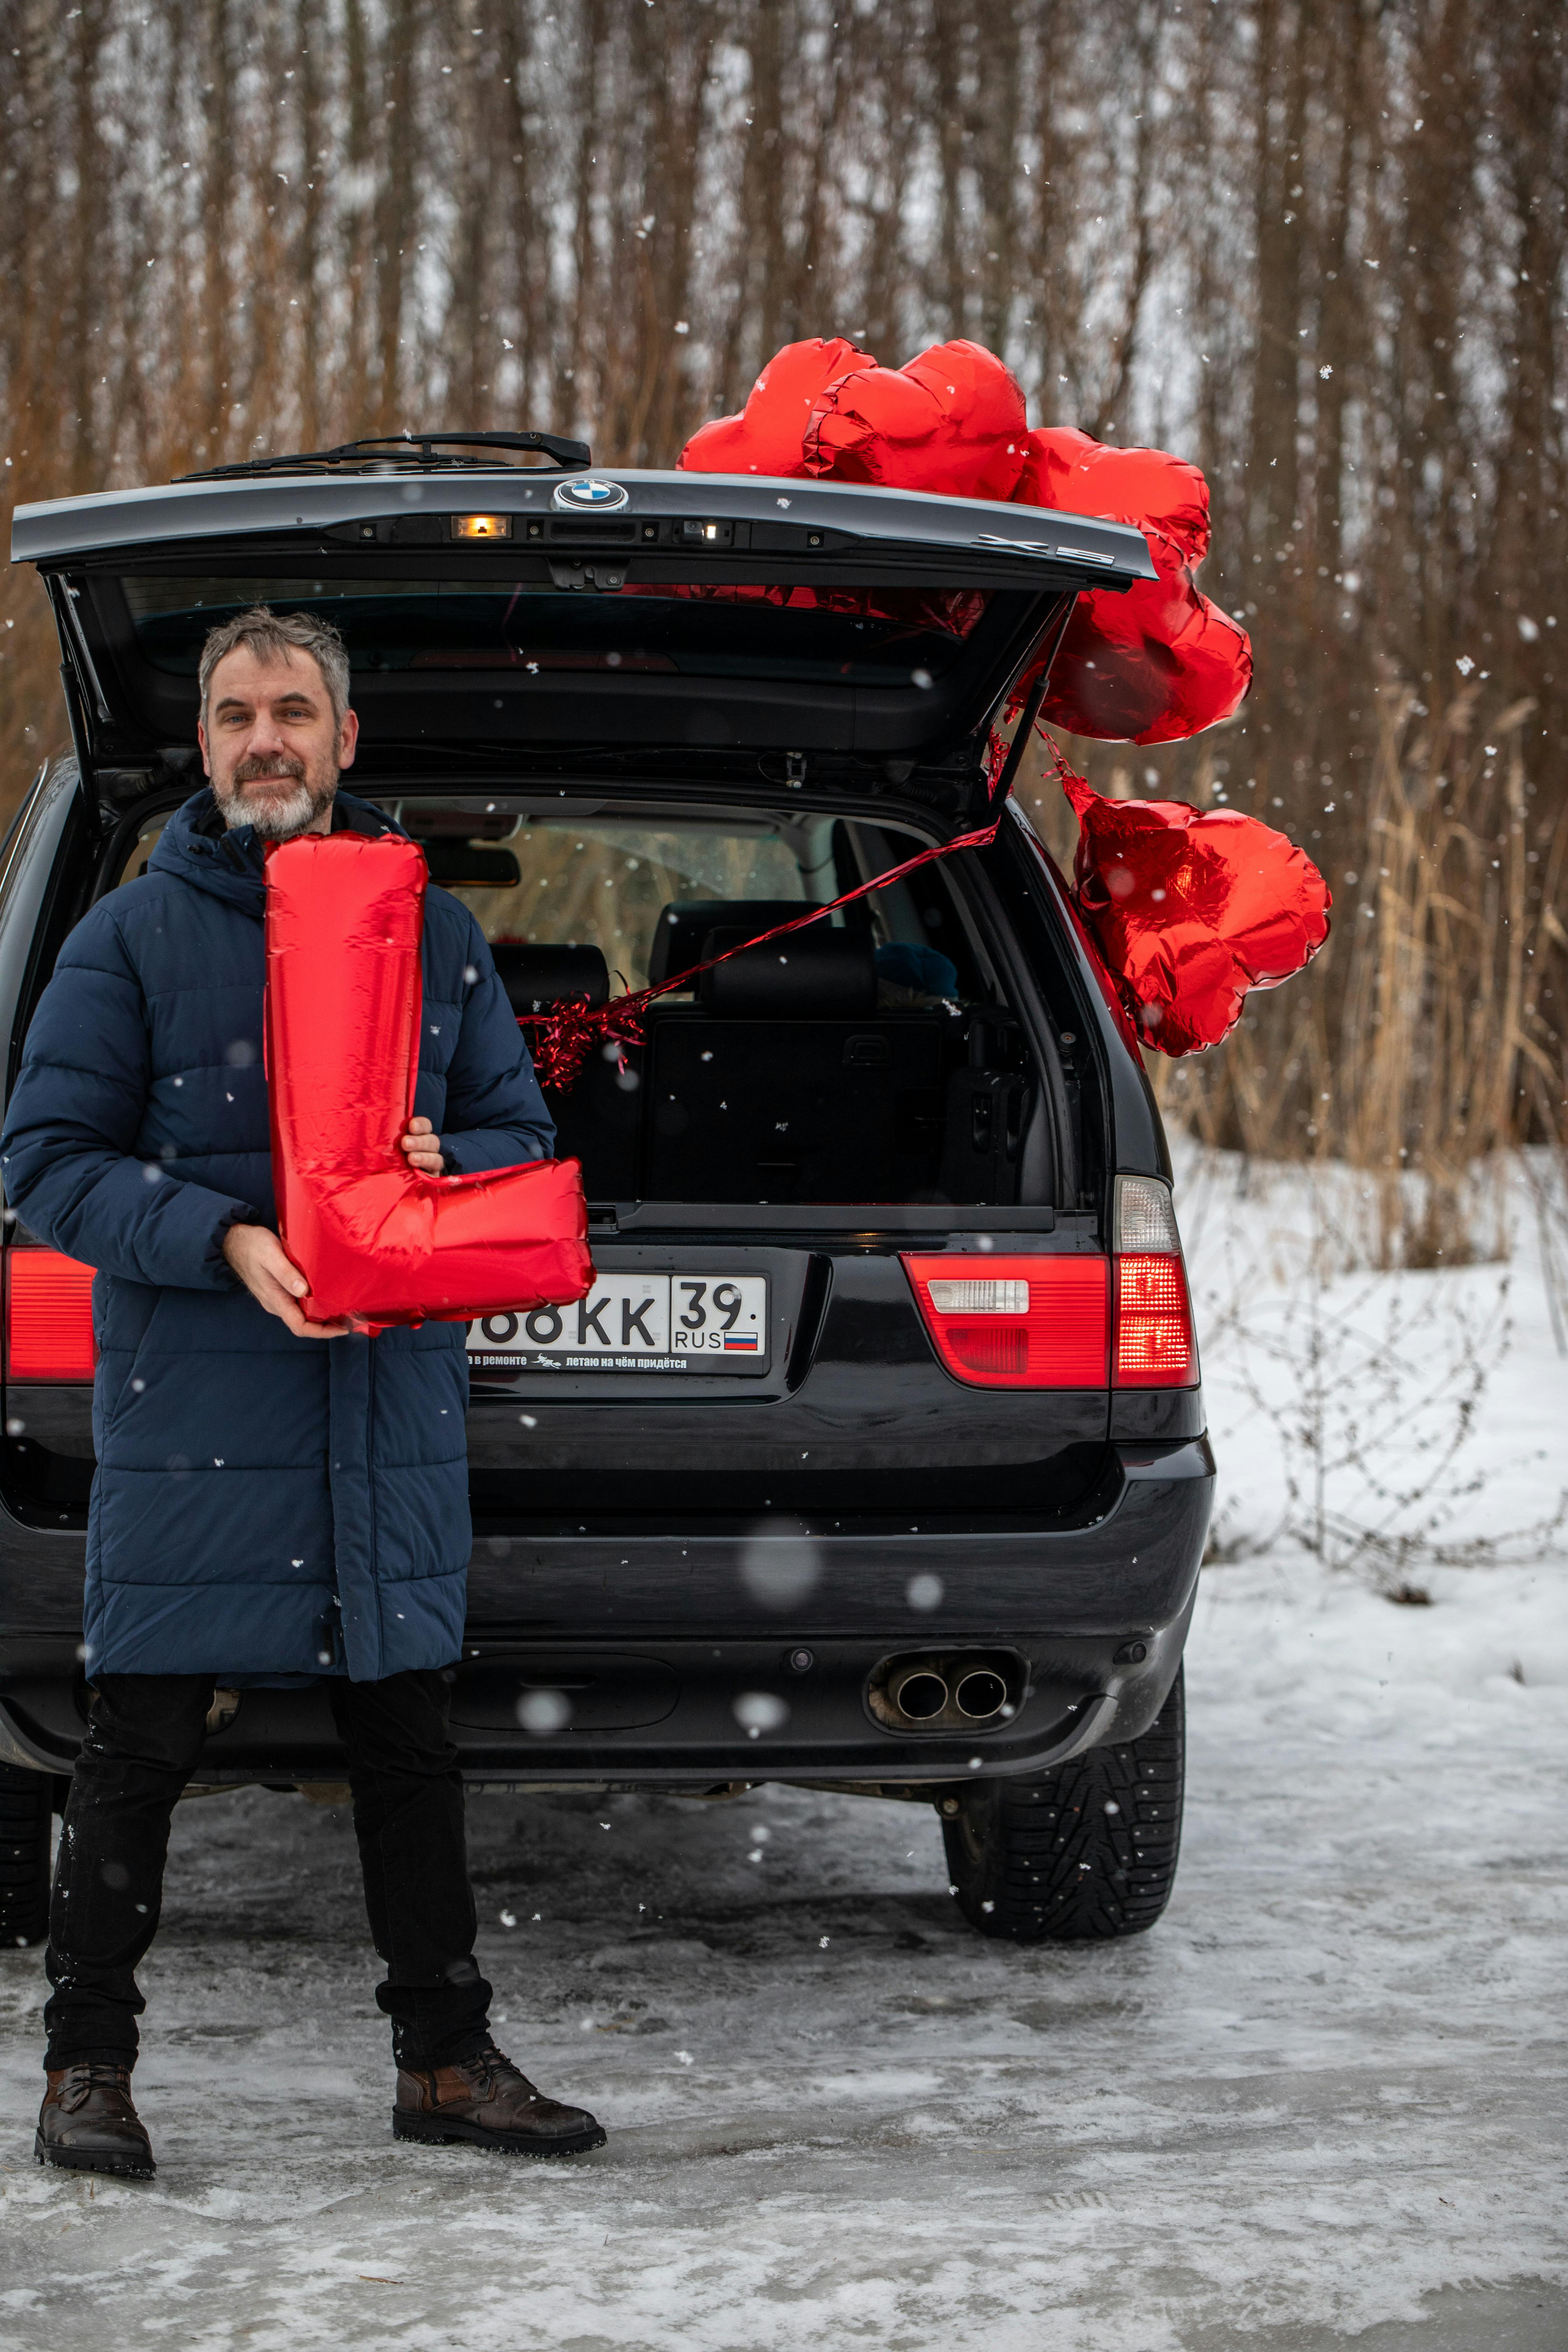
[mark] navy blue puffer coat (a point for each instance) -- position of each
(265, 1507)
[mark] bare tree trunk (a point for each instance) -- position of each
(569, 389)
(1111, 420)
(948, 43)
(310, 38)
(999, 119)
(357, 219)
(395, 213)
(774, 25)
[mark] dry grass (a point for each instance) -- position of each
(1420, 1033)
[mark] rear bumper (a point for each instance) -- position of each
(1126, 1562)
(663, 1632)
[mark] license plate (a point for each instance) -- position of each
(635, 1323)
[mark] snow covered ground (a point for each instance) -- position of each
(1322, 2101)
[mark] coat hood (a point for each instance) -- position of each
(199, 848)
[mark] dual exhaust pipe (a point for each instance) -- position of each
(978, 1695)
(947, 1691)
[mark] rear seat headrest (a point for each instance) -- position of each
(818, 974)
(536, 976)
(681, 928)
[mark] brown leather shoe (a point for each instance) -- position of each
(88, 2123)
(486, 2101)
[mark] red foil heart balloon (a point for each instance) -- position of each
(1161, 661)
(769, 435)
(1146, 487)
(377, 1242)
(950, 421)
(1190, 908)
(1153, 665)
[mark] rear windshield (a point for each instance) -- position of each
(607, 881)
(604, 882)
(849, 636)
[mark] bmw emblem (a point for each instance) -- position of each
(590, 494)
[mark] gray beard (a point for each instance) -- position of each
(275, 820)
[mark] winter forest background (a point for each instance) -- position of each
(1319, 246)
(1316, 245)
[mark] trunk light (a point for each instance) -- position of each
(49, 1316)
(1154, 1344)
(1038, 1322)
(488, 526)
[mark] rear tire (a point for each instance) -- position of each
(27, 1811)
(1088, 1849)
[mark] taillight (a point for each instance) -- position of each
(1153, 1346)
(49, 1316)
(1000, 1322)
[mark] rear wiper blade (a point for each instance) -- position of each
(402, 453)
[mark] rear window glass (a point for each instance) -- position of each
(849, 636)
(606, 880)
(587, 882)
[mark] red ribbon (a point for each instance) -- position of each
(570, 1031)
(1187, 909)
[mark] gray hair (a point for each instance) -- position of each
(279, 635)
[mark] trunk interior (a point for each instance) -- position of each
(872, 1059)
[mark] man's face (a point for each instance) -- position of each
(270, 744)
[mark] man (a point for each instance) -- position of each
(275, 1501)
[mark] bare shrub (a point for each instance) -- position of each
(1371, 1388)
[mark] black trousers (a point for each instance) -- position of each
(144, 1738)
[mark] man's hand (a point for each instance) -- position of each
(257, 1256)
(424, 1149)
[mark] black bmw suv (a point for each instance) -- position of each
(875, 1461)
